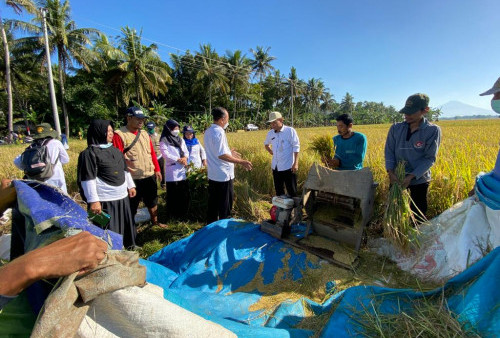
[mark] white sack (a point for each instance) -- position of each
(452, 241)
(143, 312)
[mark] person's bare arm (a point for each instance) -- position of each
(392, 176)
(81, 252)
(268, 148)
(295, 165)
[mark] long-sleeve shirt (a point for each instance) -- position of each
(57, 153)
(174, 171)
(197, 155)
(98, 190)
(418, 149)
(118, 143)
(351, 151)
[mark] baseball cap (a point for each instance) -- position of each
(493, 90)
(136, 112)
(415, 103)
(188, 128)
(273, 116)
(150, 125)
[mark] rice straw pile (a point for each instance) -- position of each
(400, 223)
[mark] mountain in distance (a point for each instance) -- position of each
(459, 109)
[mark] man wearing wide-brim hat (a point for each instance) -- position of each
(282, 142)
(416, 142)
(44, 134)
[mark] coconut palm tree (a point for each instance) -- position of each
(68, 42)
(27, 82)
(141, 70)
(238, 70)
(212, 71)
(314, 92)
(17, 6)
(261, 63)
(328, 102)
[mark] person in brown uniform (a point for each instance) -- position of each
(142, 163)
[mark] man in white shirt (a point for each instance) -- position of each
(57, 153)
(282, 142)
(220, 167)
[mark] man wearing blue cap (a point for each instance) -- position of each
(141, 161)
(416, 142)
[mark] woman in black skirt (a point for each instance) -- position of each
(104, 181)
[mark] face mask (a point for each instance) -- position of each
(495, 105)
(175, 133)
(225, 126)
(104, 146)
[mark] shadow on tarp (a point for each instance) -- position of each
(202, 272)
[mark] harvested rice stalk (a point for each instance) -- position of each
(400, 223)
(425, 317)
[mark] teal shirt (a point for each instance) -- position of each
(351, 152)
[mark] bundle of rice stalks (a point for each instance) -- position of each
(426, 317)
(323, 145)
(400, 224)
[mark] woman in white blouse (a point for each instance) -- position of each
(174, 151)
(104, 181)
(197, 154)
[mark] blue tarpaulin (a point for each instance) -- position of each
(49, 213)
(224, 271)
(218, 273)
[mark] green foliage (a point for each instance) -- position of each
(107, 74)
(150, 248)
(141, 72)
(198, 189)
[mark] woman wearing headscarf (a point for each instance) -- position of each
(197, 154)
(174, 151)
(105, 182)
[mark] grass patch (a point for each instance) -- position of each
(425, 317)
(153, 238)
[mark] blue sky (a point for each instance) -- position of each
(377, 50)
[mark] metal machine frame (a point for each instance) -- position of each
(349, 192)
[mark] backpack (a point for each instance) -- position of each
(36, 162)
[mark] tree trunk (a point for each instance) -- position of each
(210, 97)
(10, 109)
(63, 92)
(137, 87)
(235, 103)
(260, 95)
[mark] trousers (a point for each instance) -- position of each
(285, 178)
(220, 200)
